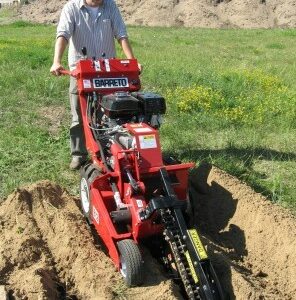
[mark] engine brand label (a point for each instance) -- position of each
(147, 141)
(110, 83)
(197, 244)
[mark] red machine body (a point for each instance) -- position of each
(128, 191)
(144, 160)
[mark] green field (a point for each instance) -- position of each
(231, 98)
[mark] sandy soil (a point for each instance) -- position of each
(51, 117)
(48, 252)
(251, 240)
(188, 13)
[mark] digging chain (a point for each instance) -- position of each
(174, 237)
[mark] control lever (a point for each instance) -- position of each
(84, 52)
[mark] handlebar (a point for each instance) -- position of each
(66, 72)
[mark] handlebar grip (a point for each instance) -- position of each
(66, 72)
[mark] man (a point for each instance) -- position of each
(92, 24)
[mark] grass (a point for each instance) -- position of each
(230, 93)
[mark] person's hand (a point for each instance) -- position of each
(55, 69)
(140, 68)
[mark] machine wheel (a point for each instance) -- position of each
(88, 174)
(131, 263)
(85, 197)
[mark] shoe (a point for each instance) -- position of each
(77, 162)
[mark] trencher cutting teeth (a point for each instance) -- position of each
(177, 246)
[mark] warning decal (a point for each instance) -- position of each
(86, 84)
(98, 66)
(96, 215)
(147, 141)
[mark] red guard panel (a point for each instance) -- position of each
(148, 145)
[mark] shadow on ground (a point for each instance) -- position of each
(213, 208)
(240, 162)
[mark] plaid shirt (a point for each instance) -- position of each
(97, 35)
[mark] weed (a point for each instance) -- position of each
(20, 230)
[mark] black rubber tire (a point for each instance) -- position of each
(88, 174)
(131, 262)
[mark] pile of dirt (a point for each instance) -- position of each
(188, 13)
(48, 252)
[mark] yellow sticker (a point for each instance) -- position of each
(192, 270)
(148, 137)
(197, 244)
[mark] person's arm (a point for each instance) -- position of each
(120, 33)
(65, 30)
(60, 46)
(127, 50)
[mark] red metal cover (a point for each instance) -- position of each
(107, 76)
(148, 145)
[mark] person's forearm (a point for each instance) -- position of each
(126, 48)
(60, 46)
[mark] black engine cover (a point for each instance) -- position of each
(120, 104)
(151, 103)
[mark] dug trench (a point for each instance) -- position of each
(47, 250)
